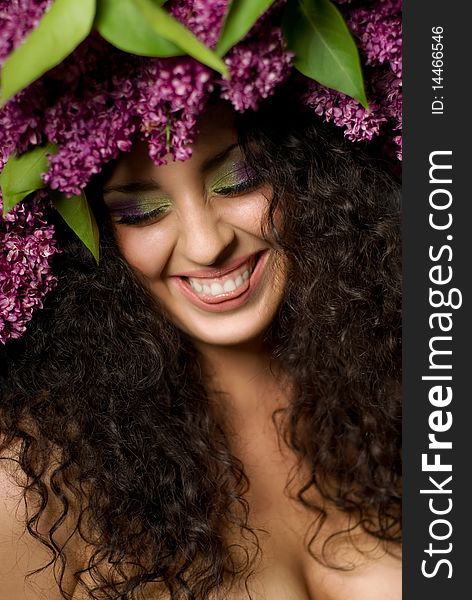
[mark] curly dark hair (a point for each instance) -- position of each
(105, 399)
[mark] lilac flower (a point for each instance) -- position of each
(99, 100)
(389, 88)
(21, 120)
(385, 108)
(397, 140)
(26, 249)
(380, 35)
(91, 126)
(17, 18)
(172, 94)
(257, 67)
(89, 134)
(204, 18)
(359, 124)
(378, 32)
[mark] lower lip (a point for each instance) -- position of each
(230, 304)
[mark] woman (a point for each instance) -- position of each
(212, 412)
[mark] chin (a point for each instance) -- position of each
(244, 325)
(228, 337)
(236, 326)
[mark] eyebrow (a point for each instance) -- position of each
(214, 161)
(133, 187)
(149, 185)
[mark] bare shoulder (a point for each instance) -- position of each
(20, 553)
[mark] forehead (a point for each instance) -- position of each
(216, 131)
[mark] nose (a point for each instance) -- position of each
(205, 237)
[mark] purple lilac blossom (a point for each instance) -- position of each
(92, 120)
(99, 100)
(378, 32)
(389, 87)
(21, 120)
(172, 93)
(27, 244)
(204, 18)
(257, 66)
(89, 133)
(380, 35)
(359, 124)
(17, 18)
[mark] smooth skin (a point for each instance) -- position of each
(199, 225)
(204, 225)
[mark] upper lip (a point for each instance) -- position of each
(220, 271)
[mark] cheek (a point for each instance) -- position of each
(246, 214)
(145, 249)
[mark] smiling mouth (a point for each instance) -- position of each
(214, 290)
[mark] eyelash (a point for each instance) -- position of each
(152, 216)
(141, 219)
(239, 188)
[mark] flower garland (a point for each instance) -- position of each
(99, 99)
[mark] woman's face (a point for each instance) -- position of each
(192, 230)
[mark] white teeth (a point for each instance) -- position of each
(229, 285)
(216, 289)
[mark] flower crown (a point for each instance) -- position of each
(80, 81)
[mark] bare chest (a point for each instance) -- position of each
(305, 553)
(298, 560)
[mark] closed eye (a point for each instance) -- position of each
(138, 215)
(237, 189)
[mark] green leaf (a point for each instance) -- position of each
(122, 24)
(324, 48)
(59, 32)
(164, 24)
(22, 175)
(77, 213)
(241, 17)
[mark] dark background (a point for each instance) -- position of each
(423, 133)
